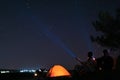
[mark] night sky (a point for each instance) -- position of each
(41, 33)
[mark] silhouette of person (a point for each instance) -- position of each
(90, 64)
(88, 67)
(105, 65)
(106, 61)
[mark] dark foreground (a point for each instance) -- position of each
(114, 75)
(17, 76)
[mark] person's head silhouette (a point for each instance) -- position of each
(90, 54)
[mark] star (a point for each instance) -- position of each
(28, 3)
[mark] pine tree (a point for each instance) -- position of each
(109, 27)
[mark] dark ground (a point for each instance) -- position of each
(114, 75)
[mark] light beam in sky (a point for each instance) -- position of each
(50, 35)
(55, 39)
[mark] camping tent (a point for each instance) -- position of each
(58, 71)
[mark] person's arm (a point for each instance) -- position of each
(78, 59)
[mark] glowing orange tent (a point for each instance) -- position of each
(57, 71)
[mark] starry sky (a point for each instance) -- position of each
(41, 33)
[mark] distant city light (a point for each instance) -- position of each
(25, 70)
(4, 72)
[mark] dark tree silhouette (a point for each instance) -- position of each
(109, 27)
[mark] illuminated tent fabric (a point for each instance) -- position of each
(58, 71)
